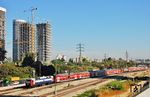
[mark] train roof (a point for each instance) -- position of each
(64, 74)
(30, 79)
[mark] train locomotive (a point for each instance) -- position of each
(81, 75)
(32, 82)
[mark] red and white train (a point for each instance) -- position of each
(81, 75)
(72, 76)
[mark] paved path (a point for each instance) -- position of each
(146, 93)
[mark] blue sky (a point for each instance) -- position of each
(103, 26)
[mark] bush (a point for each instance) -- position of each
(115, 85)
(7, 71)
(90, 93)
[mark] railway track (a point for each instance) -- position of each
(78, 88)
(64, 91)
(74, 88)
(36, 89)
(7, 91)
(25, 91)
(60, 92)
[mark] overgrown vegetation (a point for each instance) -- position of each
(23, 68)
(86, 64)
(115, 85)
(2, 54)
(104, 90)
(7, 71)
(90, 93)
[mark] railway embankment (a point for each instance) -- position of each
(130, 87)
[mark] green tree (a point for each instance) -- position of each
(2, 54)
(7, 71)
(28, 60)
(71, 60)
(58, 61)
(38, 67)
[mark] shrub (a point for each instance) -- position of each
(7, 71)
(90, 93)
(115, 85)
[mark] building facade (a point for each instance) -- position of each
(43, 42)
(17, 38)
(23, 39)
(2, 27)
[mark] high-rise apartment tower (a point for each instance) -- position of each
(17, 38)
(23, 39)
(2, 27)
(43, 41)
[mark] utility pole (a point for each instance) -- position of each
(80, 49)
(105, 56)
(126, 57)
(105, 61)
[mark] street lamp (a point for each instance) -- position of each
(69, 77)
(68, 71)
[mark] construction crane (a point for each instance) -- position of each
(32, 10)
(32, 14)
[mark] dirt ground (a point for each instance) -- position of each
(115, 93)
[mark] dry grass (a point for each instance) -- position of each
(110, 93)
